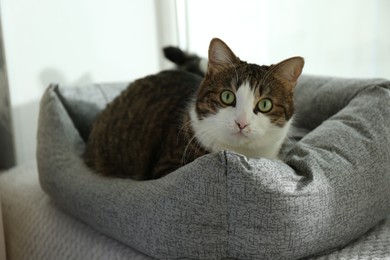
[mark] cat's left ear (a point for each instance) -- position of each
(289, 70)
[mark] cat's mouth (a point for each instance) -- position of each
(240, 134)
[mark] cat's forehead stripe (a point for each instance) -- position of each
(249, 86)
(245, 96)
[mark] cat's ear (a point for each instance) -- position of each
(220, 56)
(289, 70)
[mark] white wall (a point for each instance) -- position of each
(84, 41)
(348, 38)
(72, 42)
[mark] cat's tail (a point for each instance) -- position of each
(186, 61)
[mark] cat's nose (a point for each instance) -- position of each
(241, 125)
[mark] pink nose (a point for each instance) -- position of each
(241, 125)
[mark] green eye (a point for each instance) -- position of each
(264, 105)
(228, 97)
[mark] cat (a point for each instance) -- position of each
(185, 61)
(163, 121)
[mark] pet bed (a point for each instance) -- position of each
(331, 187)
(34, 228)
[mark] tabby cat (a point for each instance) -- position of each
(163, 121)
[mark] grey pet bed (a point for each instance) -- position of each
(332, 187)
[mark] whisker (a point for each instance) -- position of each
(185, 125)
(187, 153)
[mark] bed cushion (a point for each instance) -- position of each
(35, 229)
(330, 188)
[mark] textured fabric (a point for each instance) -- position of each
(375, 244)
(331, 188)
(37, 230)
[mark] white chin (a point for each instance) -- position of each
(235, 141)
(239, 139)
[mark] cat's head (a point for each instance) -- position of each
(244, 107)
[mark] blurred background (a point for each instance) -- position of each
(78, 42)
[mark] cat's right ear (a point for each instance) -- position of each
(220, 56)
(289, 70)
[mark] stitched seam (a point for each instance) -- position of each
(227, 207)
